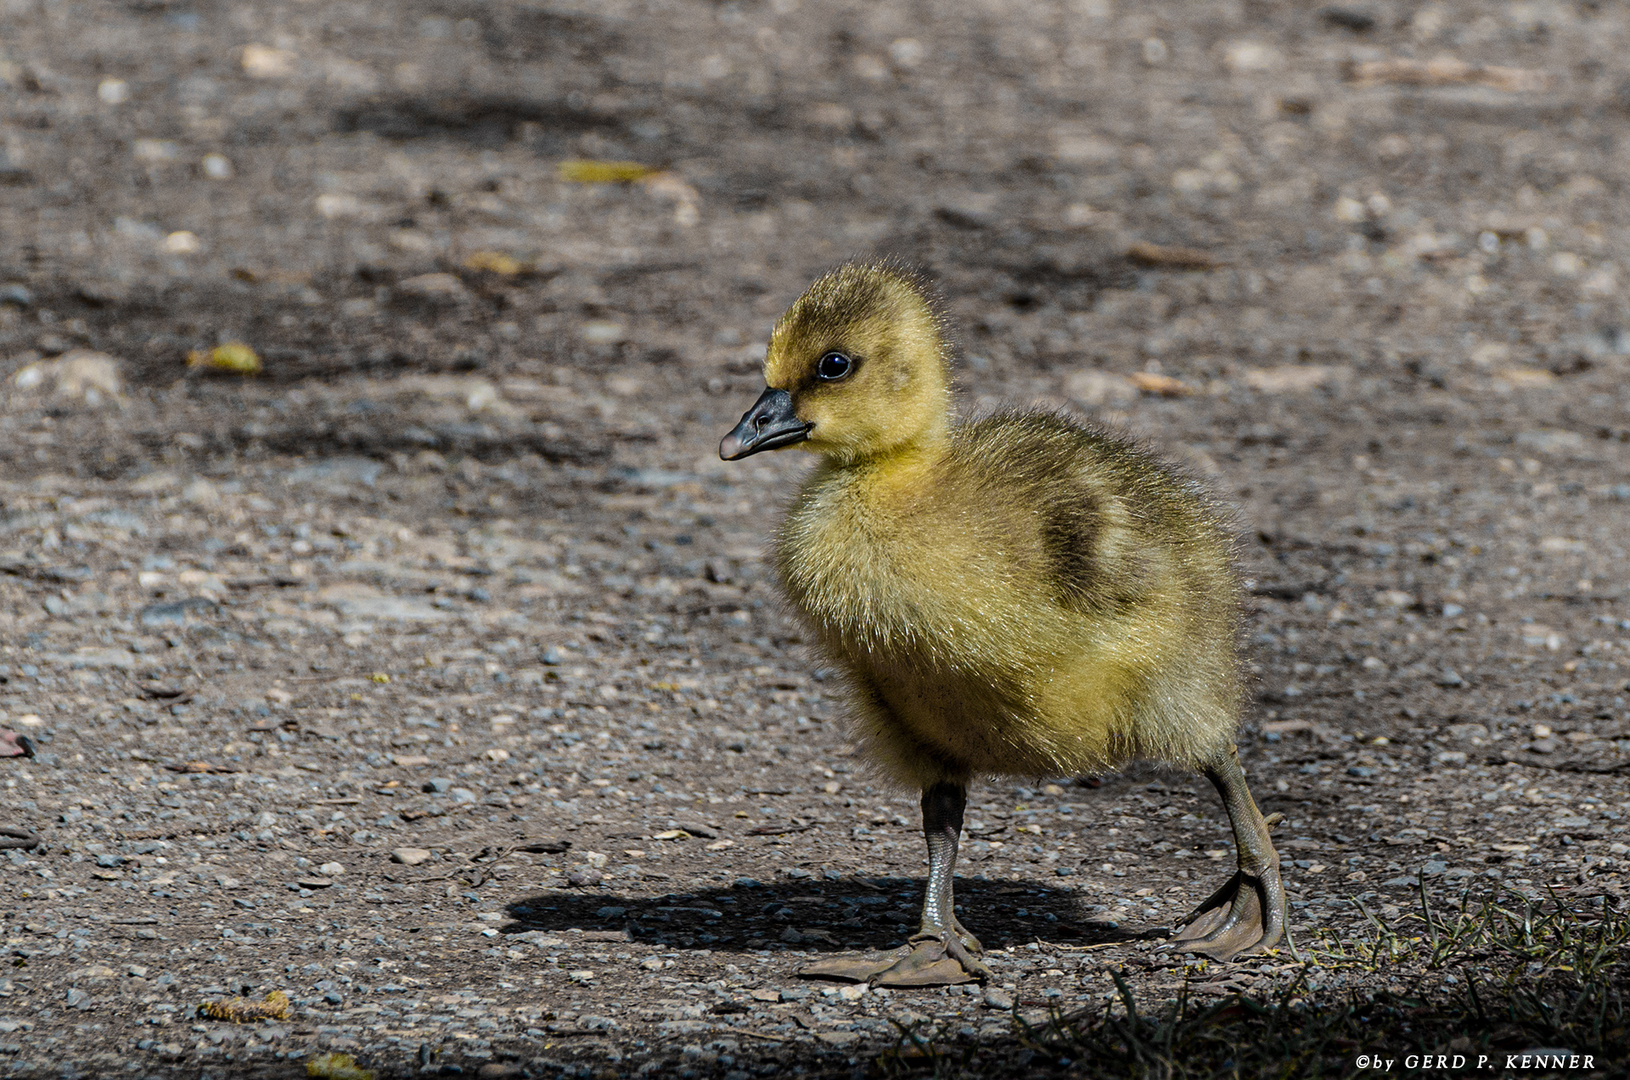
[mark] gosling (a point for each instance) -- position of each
(1020, 595)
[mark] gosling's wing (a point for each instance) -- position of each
(1097, 522)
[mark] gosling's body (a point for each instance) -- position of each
(1020, 595)
(1025, 597)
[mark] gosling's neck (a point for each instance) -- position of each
(899, 468)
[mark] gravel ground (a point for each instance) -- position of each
(459, 571)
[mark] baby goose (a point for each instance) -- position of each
(1019, 595)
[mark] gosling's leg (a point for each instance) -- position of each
(1248, 912)
(942, 953)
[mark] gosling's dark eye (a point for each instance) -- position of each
(834, 366)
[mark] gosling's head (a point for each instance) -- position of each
(855, 368)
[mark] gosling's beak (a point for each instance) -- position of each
(768, 425)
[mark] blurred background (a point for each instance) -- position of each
(1367, 182)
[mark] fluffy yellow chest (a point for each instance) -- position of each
(887, 570)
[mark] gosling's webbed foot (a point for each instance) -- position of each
(1245, 916)
(934, 960)
(15, 744)
(11, 837)
(853, 968)
(929, 960)
(942, 953)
